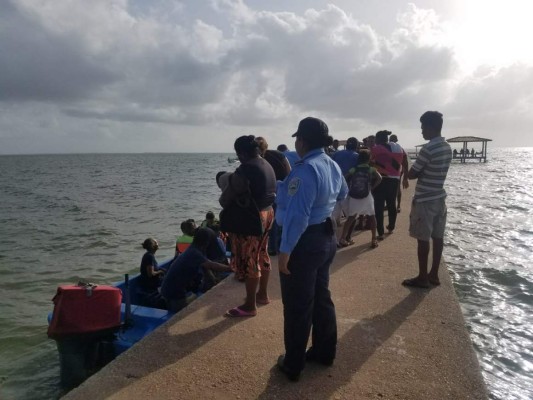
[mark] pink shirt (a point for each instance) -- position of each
(388, 162)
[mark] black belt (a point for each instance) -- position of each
(326, 226)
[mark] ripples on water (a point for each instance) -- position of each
(69, 217)
(489, 248)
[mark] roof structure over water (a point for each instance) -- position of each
(463, 139)
(465, 154)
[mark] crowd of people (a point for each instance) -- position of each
(289, 204)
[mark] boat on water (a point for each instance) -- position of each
(96, 323)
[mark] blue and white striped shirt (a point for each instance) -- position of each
(432, 165)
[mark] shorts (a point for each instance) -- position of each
(365, 206)
(428, 219)
(249, 253)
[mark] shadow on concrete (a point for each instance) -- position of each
(354, 348)
(181, 346)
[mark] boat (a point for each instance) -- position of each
(83, 353)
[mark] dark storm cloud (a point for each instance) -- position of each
(39, 65)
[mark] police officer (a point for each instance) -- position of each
(305, 200)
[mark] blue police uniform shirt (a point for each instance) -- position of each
(346, 159)
(307, 196)
(292, 157)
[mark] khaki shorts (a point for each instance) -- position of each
(428, 219)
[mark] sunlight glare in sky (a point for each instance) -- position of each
(494, 32)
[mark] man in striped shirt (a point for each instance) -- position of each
(428, 210)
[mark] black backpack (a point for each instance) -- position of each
(360, 183)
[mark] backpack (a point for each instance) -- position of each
(360, 183)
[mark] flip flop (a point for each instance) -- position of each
(374, 244)
(239, 312)
(413, 282)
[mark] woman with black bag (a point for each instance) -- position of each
(247, 216)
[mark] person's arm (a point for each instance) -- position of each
(376, 178)
(405, 167)
(421, 161)
(413, 174)
(214, 266)
(151, 271)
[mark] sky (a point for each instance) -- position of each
(134, 76)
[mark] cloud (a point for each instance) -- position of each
(182, 65)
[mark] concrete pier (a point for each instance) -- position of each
(394, 342)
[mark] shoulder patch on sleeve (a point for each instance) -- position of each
(294, 185)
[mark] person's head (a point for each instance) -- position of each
(364, 157)
(188, 227)
(263, 145)
(431, 124)
(202, 238)
(246, 148)
(150, 245)
(352, 144)
(335, 144)
(370, 141)
(382, 137)
(393, 138)
(210, 216)
(312, 134)
(283, 148)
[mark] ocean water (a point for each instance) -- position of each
(69, 217)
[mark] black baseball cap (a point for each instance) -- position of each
(312, 127)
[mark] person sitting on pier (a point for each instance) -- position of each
(151, 275)
(187, 271)
(472, 153)
(454, 153)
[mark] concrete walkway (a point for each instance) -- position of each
(394, 342)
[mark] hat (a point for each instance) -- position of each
(311, 127)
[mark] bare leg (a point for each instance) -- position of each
(251, 288)
(423, 254)
(351, 227)
(438, 246)
(262, 293)
(346, 230)
(374, 242)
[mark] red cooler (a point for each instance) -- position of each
(82, 309)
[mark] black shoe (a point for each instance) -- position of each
(311, 357)
(293, 376)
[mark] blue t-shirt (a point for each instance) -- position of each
(146, 282)
(346, 159)
(184, 274)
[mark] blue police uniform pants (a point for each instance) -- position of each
(306, 298)
(385, 193)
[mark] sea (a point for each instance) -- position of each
(66, 218)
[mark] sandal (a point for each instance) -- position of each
(239, 312)
(413, 282)
(342, 243)
(374, 244)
